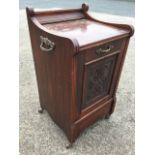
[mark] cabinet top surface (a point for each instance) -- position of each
(85, 31)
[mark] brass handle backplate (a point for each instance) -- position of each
(101, 51)
(46, 44)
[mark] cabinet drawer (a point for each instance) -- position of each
(102, 50)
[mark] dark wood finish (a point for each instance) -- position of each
(78, 62)
(92, 54)
(82, 29)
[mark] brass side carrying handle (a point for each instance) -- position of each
(46, 44)
(102, 51)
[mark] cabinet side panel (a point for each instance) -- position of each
(54, 76)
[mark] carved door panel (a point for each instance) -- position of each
(97, 78)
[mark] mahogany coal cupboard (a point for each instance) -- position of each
(78, 62)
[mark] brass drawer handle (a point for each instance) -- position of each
(46, 44)
(101, 51)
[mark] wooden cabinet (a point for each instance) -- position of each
(78, 62)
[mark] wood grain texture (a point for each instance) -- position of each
(73, 73)
(81, 30)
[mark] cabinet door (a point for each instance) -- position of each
(97, 78)
(98, 73)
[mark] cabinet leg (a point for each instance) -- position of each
(113, 105)
(107, 116)
(41, 110)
